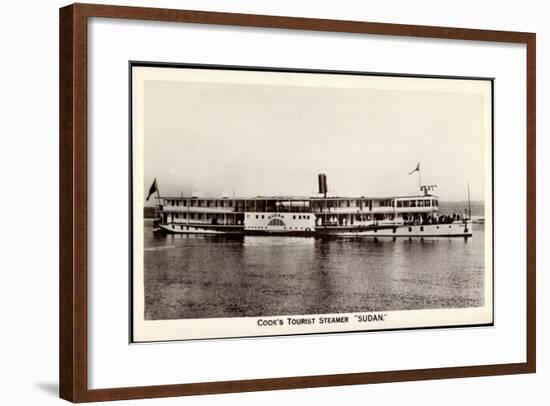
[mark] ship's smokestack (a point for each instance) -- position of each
(323, 184)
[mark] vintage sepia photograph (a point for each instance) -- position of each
(274, 202)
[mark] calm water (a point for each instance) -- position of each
(213, 276)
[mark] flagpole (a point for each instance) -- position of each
(469, 205)
(158, 193)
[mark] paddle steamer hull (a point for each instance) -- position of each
(455, 229)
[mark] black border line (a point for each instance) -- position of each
(179, 65)
(131, 203)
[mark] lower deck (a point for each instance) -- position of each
(303, 223)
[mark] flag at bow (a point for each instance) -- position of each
(417, 169)
(154, 188)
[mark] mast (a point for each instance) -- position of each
(417, 169)
(158, 193)
(159, 203)
(469, 205)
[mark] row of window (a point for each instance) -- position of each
(247, 205)
(394, 230)
(421, 228)
(199, 203)
(252, 205)
(262, 203)
(300, 217)
(417, 203)
(193, 216)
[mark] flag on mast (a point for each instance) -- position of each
(152, 189)
(415, 169)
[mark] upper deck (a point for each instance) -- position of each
(296, 204)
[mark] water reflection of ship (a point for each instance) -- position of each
(319, 215)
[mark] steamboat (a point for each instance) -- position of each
(320, 215)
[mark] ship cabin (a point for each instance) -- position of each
(298, 213)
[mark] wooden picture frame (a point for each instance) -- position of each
(73, 197)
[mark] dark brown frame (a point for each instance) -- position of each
(73, 346)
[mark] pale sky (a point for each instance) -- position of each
(271, 139)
